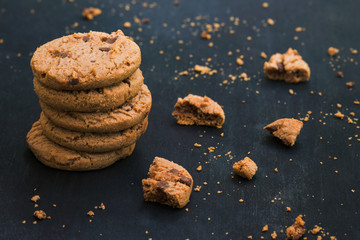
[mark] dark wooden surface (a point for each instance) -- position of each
(308, 184)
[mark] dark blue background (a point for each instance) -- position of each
(307, 186)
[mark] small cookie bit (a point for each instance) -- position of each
(199, 168)
(332, 51)
(270, 21)
(288, 209)
(90, 13)
(245, 168)
(127, 24)
(167, 183)
(340, 74)
(273, 235)
(338, 114)
(350, 84)
(205, 35)
(316, 229)
(296, 230)
(102, 206)
(353, 51)
(291, 92)
(241, 200)
(1, 40)
(265, 228)
(90, 213)
(265, 5)
(286, 129)
(40, 214)
(198, 110)
(197, 145)
(289, 67)
(263, 55)
(35, 198)
(204, 70)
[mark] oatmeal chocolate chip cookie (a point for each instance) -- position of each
(289, 67)
(83, 61)
(56, 156)
(100, 99)
(245, 168)
(127, 115)
(286, 129)
(92, 142)
(167, 183)
(198, 110)
(296, 230)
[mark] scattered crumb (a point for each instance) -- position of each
(90, 213)
(265, 5)
(90, 13)
(339, 115)
(197, 145)
(340, 74)
(239, 61)
(350, 84)
(241, 200)
(205, 35)
(270, 21)
(1, 40)
(265, 228)
(333, 51)
(23, 222)
(40, 214)
(35, 198)
(316, 229)
(276, 170)
(245, 168)
(296, 230)
(263, 55)
(102, 206)
(273, 235)
(291, 92)
(127, 24)
(204, 70)
(199, 168)
(288, 209)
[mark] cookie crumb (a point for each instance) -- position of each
(340, 74)
(286, 129)
(35, 198)
(288, 209)
(127, 24)
(265, 5)
(102, 206)
(276, 170)
(239, 61)
(273, 235)
(90, 213)
(241, 200)
(263, 55)
(332, 51)
(350, 84)
(265, 228)
(338, 114)
(205, 35)
(197, 145)
(316, 229)
(270, 21)
(296, 230)
(40, 214)
(90, 13)
(23, 222)
(1, 40)
(245, 168)
(291, 92)
(199, 168)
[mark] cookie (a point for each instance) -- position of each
(92, 142)
(245, 168)
(296, 230)
(56, 156)
(167, 183)
(289, 67)
(100, 99)
(286, 129)
(84, 61)
(127, 115)
(198, 110)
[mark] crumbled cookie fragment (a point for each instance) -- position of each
(270, 21)
(332, 51)
(296, 230)
(338, 114)
(340, 74)
(90, 13)
(198, 110)
(40, 214)
(127, 24)
(204, 70)
(265, 228)
(167, 183)
(289, 67)
(205, 35)
(273, 235)
(35, 198)
(1, 40)
(286, 129)
(239, 61)
(90, 213)
(316, 229)
(265, 5)
(350, 84)
(245, 168)
(263, 55)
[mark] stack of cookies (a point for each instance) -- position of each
(94, 103)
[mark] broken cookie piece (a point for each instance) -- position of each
(296, 230)
(289, 67)
(245, 168)
(40, 214)
(90, 13)
(286, 129)
(198, 110)
(167, 183)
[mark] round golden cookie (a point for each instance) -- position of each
(83, 61)
(92, 142)
(56, 156)
(127, 115)
(100, 99)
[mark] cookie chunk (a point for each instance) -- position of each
(92, 142)
(83, 61)
(289, 67)
(100, 99)
(167, 183)
(198, 110)
(56, 156)
(127, 115)
(245, 168)
(286, 129)
(296, 230)
(90, 13)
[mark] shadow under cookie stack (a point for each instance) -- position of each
(94, 103)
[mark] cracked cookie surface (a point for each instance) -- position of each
(92, 142)
(100, 99)
(289, 67)
(56, 156)
(83, 61)
(127, 115)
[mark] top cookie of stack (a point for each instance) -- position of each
(84, 61)
(94, 102)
